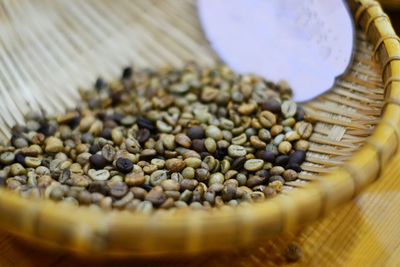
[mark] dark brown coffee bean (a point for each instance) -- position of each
(148, 154)
(143, 135)
(145, 123)
(300, 113)
(98, 187)
(297, 157)
(109, 123)
(271, 105)
(106, 133)
(146, 187)
(94, 148)
(294, 166)
(98, 161)
(124, 165)
(117, 117)
(282, 160)
(87, 138)
(19, 158)
(156, 197)
(254, 181)
(127, 73)
(196, 132)
(204, 154)
(229, 192)
(100, 84)
(198, 145)
(221, 153)
(267, 156)
(238, 163)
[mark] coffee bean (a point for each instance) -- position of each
(19, 158)
(254, 181)
(147, 154)
(198, 145)
(188, 184)
(202, 174)
(288, 108)
(276, 178)
(94, 148)
(99, 175)
(98, 161)
(281, 160)
(99, 84)
(183, 140)
(127, 73)
(157, 177)
(170, 185)
(253, 164)
(146, 187)
(210, 145)
(118, 189)
(146, 124)
(297, 157)
(175, 165)
(236, 151)
(304, 129)
(266, 156)
(196, 132)
(229, 192)
(7, 158)
(214, 132)
(267, 119)
(106, 133)
(276, 170)
(238, 163)
(294, 166)
(221, 153)
(300, 113)
(87, 138)
(124, 165)
(143, 135)
(263, 173)
(272, 105)
(156, 197)
(290, 175)
(135, 179)
(108, 152)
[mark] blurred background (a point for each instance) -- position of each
(392, 8)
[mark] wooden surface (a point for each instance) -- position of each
(364, 232)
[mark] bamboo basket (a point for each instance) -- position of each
(49, 48)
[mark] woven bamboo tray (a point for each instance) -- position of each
(49, 48)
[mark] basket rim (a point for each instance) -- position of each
(111, 232)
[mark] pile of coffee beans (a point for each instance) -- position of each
(198, 137)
